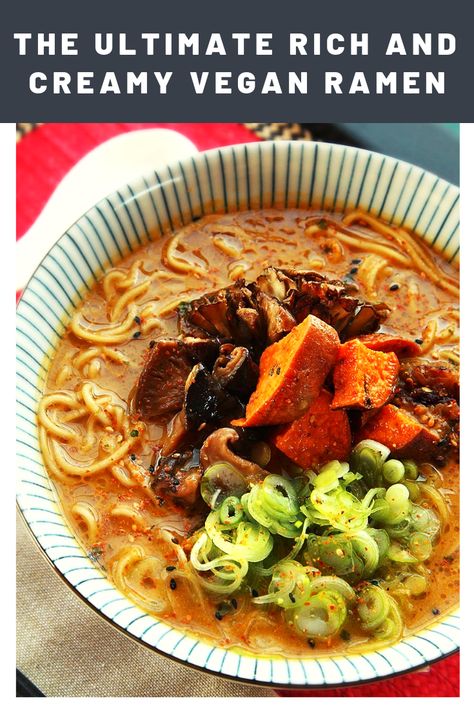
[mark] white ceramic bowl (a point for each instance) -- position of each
(279, 174)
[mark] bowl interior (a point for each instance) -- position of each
(280, 174)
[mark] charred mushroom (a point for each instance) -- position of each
(217, 449)
(235, 371)
(365, 319)
(229, 313)
(178, 477)
(423, 379)
(333, 301)
(430, 393)
(275, 282)
(176, 435)
(278, 319)
(206, 401)
(205, 315)
(160, 388)
(264, 310)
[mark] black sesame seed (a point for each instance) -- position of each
(375, 582)
(356, 261)
(137, 320)
(173, 583)
(312, 643)
(218, 616)
(419, 341)
(224, 608)
(151, 469)
(134, 432)
(234, 603)
(345, 635)
(133, 457)
(292, 597)
(170, 568)
(152, 343)
(173, 539)
(354, 270)
(394, 287)
(254, 593)
(137, 334)
(435, 612)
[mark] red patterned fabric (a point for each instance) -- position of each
(44, 156)
(441, 680)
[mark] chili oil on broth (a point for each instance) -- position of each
(85, 415)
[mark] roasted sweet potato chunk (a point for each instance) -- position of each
(363, 378)
(320, 435)
(401, 432)
(388, 343)
(291, 374)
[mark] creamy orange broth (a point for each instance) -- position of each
(263, 238)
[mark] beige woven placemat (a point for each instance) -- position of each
(66, 649)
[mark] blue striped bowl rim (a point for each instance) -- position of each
(248, 176)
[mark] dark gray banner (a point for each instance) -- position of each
(143, 60)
